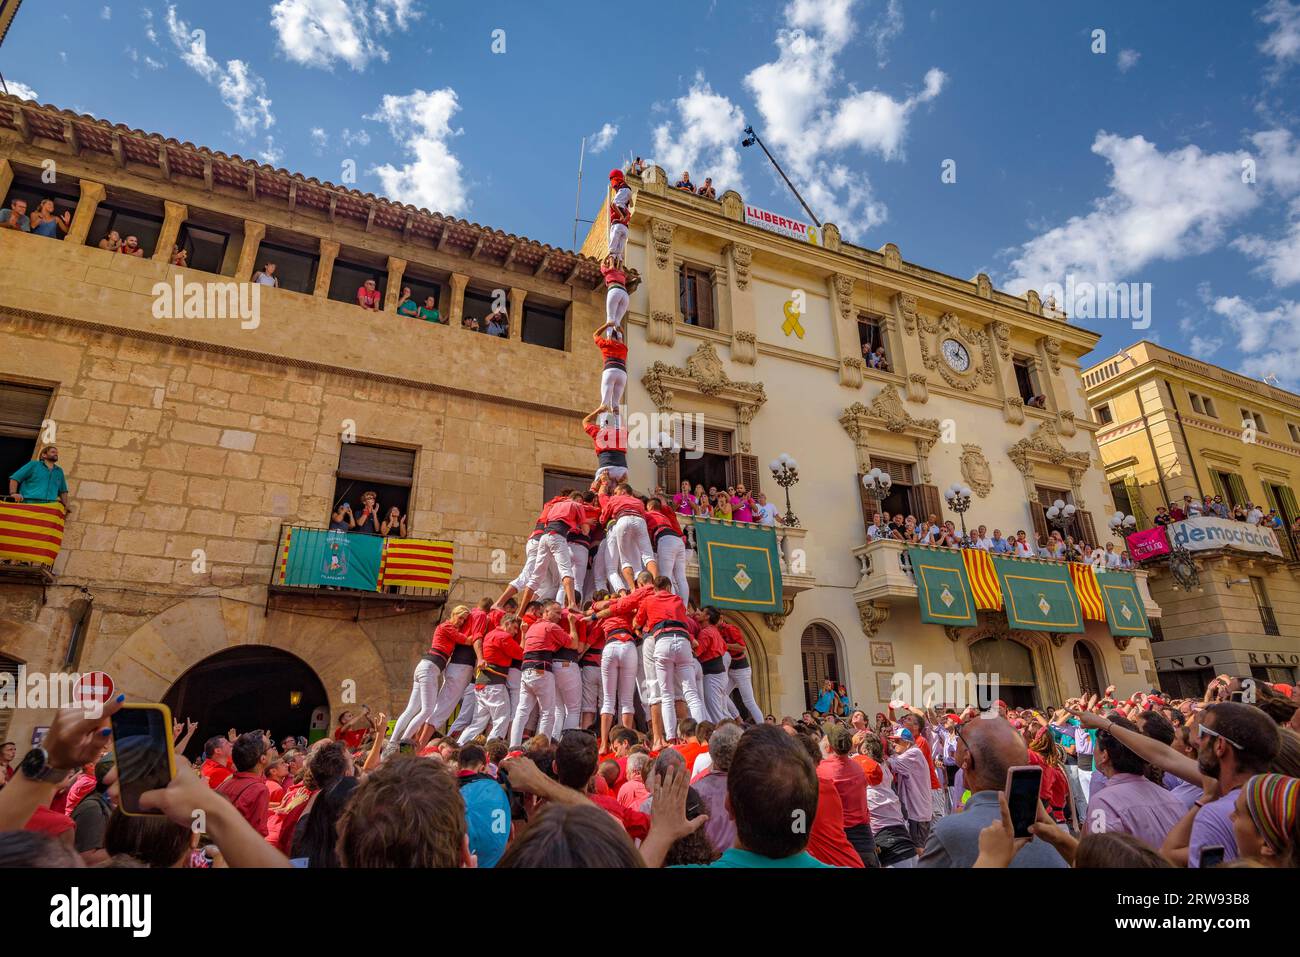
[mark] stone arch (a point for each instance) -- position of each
(760, 661)
(160, 651)
(1094, 658)
(841, 659)
(1046, 680)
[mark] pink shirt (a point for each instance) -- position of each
(1130, 804)
(850, 780)
(368, 298)
(633, 793)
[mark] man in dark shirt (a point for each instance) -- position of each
(685, 182)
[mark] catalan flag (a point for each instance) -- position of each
(1085, 583)
(983, 579)
(416, 561)
(31, 532)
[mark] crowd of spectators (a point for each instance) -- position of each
(1055, 545)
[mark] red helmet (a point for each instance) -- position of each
(616, 176)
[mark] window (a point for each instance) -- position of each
(1080, 525)
(1025, 380)
(695, 296)
(1265, 609)
(295, 269)
(1273, 674)
(710, 463)
(1202, 404)
(22, 410)
(820, 662)
(1119, 494)
(145, 227)
(422, 290)
(1157, 630)
(8, 666)
(1186, 684)
(1248, 417)
(544, 327)
(1209, 407)
(870, 334)
(900, 498)
(1229, 486)
(478, 306)
(554, 481)
(1085, 667)
(205, 248)
(388, 472)
(347, 278)
(31, 190)
(1294, 430)
(1103, 414)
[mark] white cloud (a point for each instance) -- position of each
(1161, 206)
(270, 153)
(600, 141)
(106, 13)
(1269, 338)
(1283, 43)
(421, 122)
(319, 32)
(359, 138)
(1204, 348)
(704, 138)
(1127, 60)
(885, 30)
(149, 30)
(242, 91)
(1279, 258)
(21, 90)
(1278, 171)
(319, 138)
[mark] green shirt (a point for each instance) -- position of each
(37, 483)
(429, 315)
(735, 857)
(408, 308)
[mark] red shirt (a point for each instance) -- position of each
(851, 782)
(495, 616)
(83, 785)
(500, 648)
(445, 639)
(733, 636)
(368, 297)
(690, 750)
(614, 276)
(246, 790)
(572, 514)
(658, 522)
(274, 791)
(634, 822)
(870, 768)
(617, 622)
(827, 841)
(654, 607)
(610, 348)
(48, 822)
(611, 505)
(924, 745)
(351, 739)
(214, 773)
(607, 439)
(709, 644)
(546, 636)
(478, 623)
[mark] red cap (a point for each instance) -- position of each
(616, 175)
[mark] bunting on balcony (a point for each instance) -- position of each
(942, 586)
(983, 579)
(1039, 595)
(1085, 585)
(31, 533)
(416, 561)
(740, 566)
(316, 557)
(1124, 611)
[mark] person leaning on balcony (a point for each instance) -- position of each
(266, 275)
(341, 519)
(498, 324)
(16, 216)
(1000, 545)
(1162, 516)
(394, 526)
(407, 307)
(1022, 548)
(131, 247)
(707, 190)
(112, 242)
(429, 312)
(766, 512)
(368, 296)
(685, 182)
(46, 222)
(40, 480)
(367, 523)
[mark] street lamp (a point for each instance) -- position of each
(785, 471)
(878, 483)
(1061, 515)
(661, 450)
(1121, 524)
(958, 498)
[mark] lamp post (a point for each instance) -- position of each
(878, 483)
(661, 450)
(1121, 524)
(785, 471)
(1061, 515)
(958, 498)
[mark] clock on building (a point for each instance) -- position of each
(955, 354)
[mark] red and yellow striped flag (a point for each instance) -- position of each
(31, 532)
(1085, 583)
(983, 579)
(416, 561)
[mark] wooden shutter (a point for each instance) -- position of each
(1219, 490)
(683, 301)
(22, 409)
(1238, 489)
(670, 475)
(870, 504)
(1039, 515)
(717, 441)
(900, 473)
(927, 501)
(746, 471)
(1135, 502)
(1089, 531)
(704, 300)
(1288, 503)
(373, 463)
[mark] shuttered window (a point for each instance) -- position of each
(375, 463)
(900, 473)
(925, 502)
(820, 661)
(717, 441)
(555, 481)
(22, 409)
(9, 666)
(695, 296)
(745, 468)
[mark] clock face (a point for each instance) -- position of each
(955, 354)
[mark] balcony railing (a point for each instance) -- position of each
(795, 574)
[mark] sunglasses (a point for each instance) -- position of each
(1202, 729)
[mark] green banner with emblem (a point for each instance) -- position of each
(1124, 611)
(1039, 595)
(942, 586)
(740, 566)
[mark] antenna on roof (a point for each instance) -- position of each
(1271, 378)
(577, 206)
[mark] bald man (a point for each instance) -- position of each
(986, 748)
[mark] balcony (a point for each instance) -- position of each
(795, 575)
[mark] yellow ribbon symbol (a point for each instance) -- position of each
(791, 323)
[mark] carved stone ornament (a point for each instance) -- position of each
(1013, 408)
(975, 470)
(918, 388)
(775, 622)
(873, 614)
(1034, 303)
(906, 304)
(844, 294)
(1052, 346)
(742, 256)
(948, 326)
(1002, 333)
(983, 286)
(1044, 445)
(662, 328)
(744, 348)
(704, 374)
(886, 412)
(662, 233)
(1058, 638)
(851, 370)
(893, 258)
(1121, 642)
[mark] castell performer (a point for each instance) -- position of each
(619, 214)
(609, 439)
(613, 380)
(616, 296)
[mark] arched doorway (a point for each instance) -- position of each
(1085, 666)
(247, 687)
(1013, 664)
(821, 660)
(760, 675)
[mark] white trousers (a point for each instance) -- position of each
(606, 568)
(615, 306)
(513, 677)
(730, 705)
(535, 688)
(568, 696)
(554, 561)
(671, 554)
(613, 382)
(617, 239)
(468, 708)
(616, 473)
(742, 679)
(673, 661)
(619, 665)
(632, 540)
(493, 704)
(715, 696)
(648, 682)
(423, 700)
(454, 681)
(530, 562)
(578, 565)
(591, 688)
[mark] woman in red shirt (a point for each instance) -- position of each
(1055, 789)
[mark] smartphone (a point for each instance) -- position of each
(142, 749)
(1212, 855)
(1023, 785)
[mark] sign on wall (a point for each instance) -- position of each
(1203, 534)
(782, 225)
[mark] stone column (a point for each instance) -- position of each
(393, 286)
(661, 284)
(253, 233)
(1049, 371)
(744, 320)
(908, 345)
(329, 251)
(6, 178)
(457, 307)
(92, 194)
(844, 327)
(173, 218)
(516, 308)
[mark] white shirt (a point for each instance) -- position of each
(1254, 515)
(1024, 549)
(984, 543)
(1114, 559)
(767, 514)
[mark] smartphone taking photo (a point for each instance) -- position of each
(1023, 785)
(142, 750)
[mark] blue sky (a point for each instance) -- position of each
(1166, 151)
